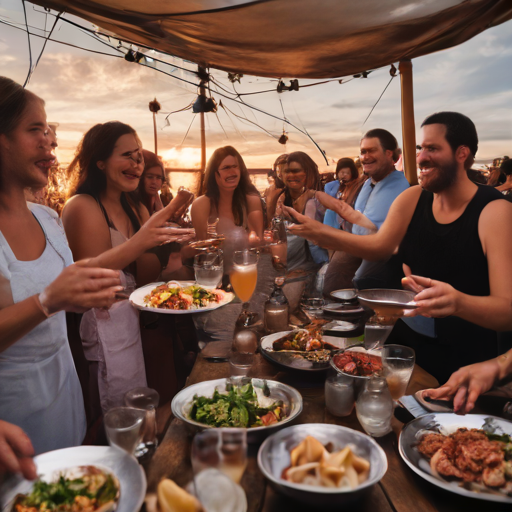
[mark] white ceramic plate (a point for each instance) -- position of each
(137, 300)
(182, 403)
(125, 467)
(447, 423)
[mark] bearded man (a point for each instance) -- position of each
(455, 240)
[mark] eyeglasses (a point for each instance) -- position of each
(229, 167)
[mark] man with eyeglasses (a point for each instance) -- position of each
(456, 254)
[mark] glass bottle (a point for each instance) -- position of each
(374, 407)
(276, 309)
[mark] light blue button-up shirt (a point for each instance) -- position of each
(374, 201)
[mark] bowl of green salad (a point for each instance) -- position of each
(259, 405)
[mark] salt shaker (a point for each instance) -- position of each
(374, 407)
(339, 393)
(276, 309)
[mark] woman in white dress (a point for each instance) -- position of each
(39, 387)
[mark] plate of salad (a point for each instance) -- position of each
(261, 406)
(92, 478)
(178, 298)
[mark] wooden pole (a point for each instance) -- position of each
(154, 132)
(408, 126)
(202, 92)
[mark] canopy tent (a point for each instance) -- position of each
(298, 38)
(292, 38)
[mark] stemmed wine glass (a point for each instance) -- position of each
(243, 277)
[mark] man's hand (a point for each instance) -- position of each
(304, 226)
(467, 384)
(435, 298)
(16, 451)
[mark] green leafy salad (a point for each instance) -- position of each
(94, 490)
(239, 407)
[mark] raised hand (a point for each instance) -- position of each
(79, 288)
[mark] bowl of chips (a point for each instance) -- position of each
(320, 464)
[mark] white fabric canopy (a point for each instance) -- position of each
(292, 38)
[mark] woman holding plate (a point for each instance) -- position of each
(104, 219)
(40, 391)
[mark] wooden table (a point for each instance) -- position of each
(401, 490)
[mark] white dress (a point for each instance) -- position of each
(39, 387)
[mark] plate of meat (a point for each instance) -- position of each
(301, 349)
(468, 455)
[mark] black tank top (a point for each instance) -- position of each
(453, 253)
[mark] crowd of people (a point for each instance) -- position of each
(71, 344)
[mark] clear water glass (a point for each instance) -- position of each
(398, 365)
(209, 268)
(374, 407)
(339, 394)
(377, 331)
(221, 448)
(146, 399)
(124, 427)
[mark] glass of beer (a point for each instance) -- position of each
(244, 275)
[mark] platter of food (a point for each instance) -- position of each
(259, 405)
(92, 478)
(301, 349)
(358, 362)
(469, 455)
(322, 464)
(178, 298)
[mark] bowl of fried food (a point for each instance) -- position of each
(322, 465)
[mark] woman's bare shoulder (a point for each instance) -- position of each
(80, 206)
(202, 203)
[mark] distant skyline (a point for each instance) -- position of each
(82, 89)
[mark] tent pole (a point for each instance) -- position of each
(408, 127)
(202, 92)
(154, 132)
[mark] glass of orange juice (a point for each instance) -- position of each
(244, 275)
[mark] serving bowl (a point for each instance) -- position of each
(274, 457)
(387, 301)
(182, 403)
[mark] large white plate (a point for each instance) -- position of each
(446, 423)
(137, 300)
(125, 467)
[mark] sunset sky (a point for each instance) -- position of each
(83, 88)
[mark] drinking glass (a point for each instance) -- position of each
(374, 407)
(339, 394)
(221, 448)
(124, 427)
(377, 330)
(209, 268)
(398, 364)
(244, 275)
(243, 351)
(146, 399)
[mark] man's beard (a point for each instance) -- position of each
(445, 177)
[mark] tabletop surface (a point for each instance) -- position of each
(400, 490)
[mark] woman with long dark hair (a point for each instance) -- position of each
(151, 181)
(40, 391)
(230, 197)
(105, 219)
(301, 180)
